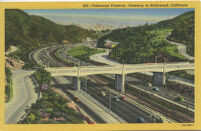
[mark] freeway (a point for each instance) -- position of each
(124, 69)
(43, 58)
(24, 96)
(139, 110)
(96, 110)
(120, 66)
(129, 112)
(164, 93)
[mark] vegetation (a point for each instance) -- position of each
(175, 22)
(30, 32)
(147, 46)
(67, 61)
(184, 33)
(9, 86)
(52, 109)
(144, 44)
(83, 53)
(42, 76)
(179, 99)
(182, 74)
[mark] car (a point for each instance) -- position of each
(76, 99)
(103, 93)
(156, 89)
(179, 99)
(124, 98)
(116, 98)
(140, 120)
(149, 84)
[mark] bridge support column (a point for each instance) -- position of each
(120, 82)
(76, 83)
(159, 79)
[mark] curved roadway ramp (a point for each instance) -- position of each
(24, 96)
(181, 49)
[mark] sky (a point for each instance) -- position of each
(115, 17)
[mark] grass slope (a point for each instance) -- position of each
(30, 32)
(146, 43)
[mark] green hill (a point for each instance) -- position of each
(28, 32)
(175, 22)
(147, 43)
(184, 33)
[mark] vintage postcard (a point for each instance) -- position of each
(100, 65)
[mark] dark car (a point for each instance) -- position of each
(156, 89)
(116, 98)
(140, 120)
(76, 99)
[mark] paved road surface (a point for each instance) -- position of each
(103, 58)
(125, 69)
(24, 95)
(123, 109)
(11, 50)
(181, 49)
(96, 109)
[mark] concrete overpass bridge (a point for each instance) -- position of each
(159, 70)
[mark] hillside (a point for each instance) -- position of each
(184, 33)
(147, 43)
(28, 32)
(177, 21)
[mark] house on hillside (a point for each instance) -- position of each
(110, 44)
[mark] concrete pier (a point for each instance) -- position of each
(120, 82)
(76, 83)
(159, 79)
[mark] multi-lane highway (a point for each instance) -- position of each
(134, 109)
(91, 106)
(130, 113)
(77, 71)
(166, 94)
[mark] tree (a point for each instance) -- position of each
(31, 117)
(42, 76)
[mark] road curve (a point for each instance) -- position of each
(104, 58)
(24, 95)
(181, 49)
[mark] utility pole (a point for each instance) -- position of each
(109, 108)
(172, 103)
(116, 54)
(154, 119)
(86, 84)
(187, 110)
(164, 75)
(123, 79)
